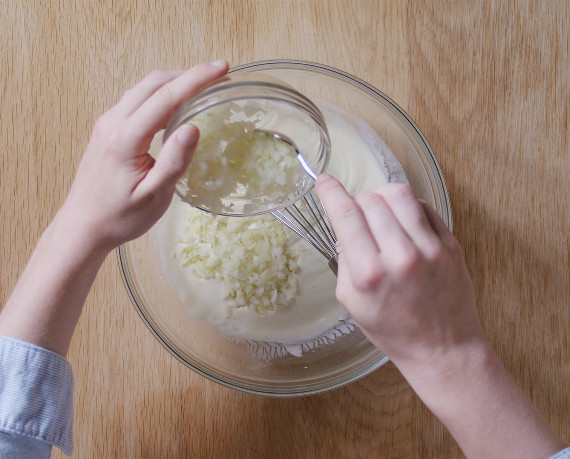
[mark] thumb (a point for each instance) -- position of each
(173, 159)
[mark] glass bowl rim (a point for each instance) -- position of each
(395, 109)
(355, 374)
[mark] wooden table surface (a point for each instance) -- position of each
(487, 83)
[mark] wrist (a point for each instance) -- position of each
(447, 369)
(471, 393)
(79, 233)
(46, 303)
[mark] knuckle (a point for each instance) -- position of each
(370, 274)
(173, 169)
(127, 94)
(399, 191)
(156, 74)
(435, 252)
(408, 263)
(345, 210)
(115, 135)
(164, 95)
(454, 247)
(102, 124)
(157, 78)
(341, 295)
(368, 200)
(417, 219)
(325, 188)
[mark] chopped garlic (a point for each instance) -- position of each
(249, 256)
(234, 161)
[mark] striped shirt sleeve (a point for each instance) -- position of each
(36, 400)
(564, 454)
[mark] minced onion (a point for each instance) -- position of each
(249, 256)
(234, 159)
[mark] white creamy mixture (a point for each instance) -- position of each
(315, 309)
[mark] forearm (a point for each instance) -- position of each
(46, 304)
(118, 193)
(482, 407)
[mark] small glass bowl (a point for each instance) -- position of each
(202, 346)
(271, 106)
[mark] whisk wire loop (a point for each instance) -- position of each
(321, 217)
(308, 219)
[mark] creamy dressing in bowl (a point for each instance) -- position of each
(362, 162)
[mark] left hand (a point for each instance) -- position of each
(119, 190)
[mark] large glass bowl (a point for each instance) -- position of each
(246, 366)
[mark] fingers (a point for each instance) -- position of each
(436, 222)
(138, 94)
(390, 221)
(154, 113)
(384, 225)
(343, 283)
(411, 217)
(348, 222)
(172, 161)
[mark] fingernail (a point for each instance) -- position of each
(187, 136)
(219, 64)
(324, 177)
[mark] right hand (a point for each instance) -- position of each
(402, 276)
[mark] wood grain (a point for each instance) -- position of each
(487, 82)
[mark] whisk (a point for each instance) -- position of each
(310, 221)
(307, 217)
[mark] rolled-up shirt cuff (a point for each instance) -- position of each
(564, 454)
(36, 394)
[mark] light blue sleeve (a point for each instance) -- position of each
(564, 454)
(36, 401)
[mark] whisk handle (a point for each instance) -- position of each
(333, 265)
